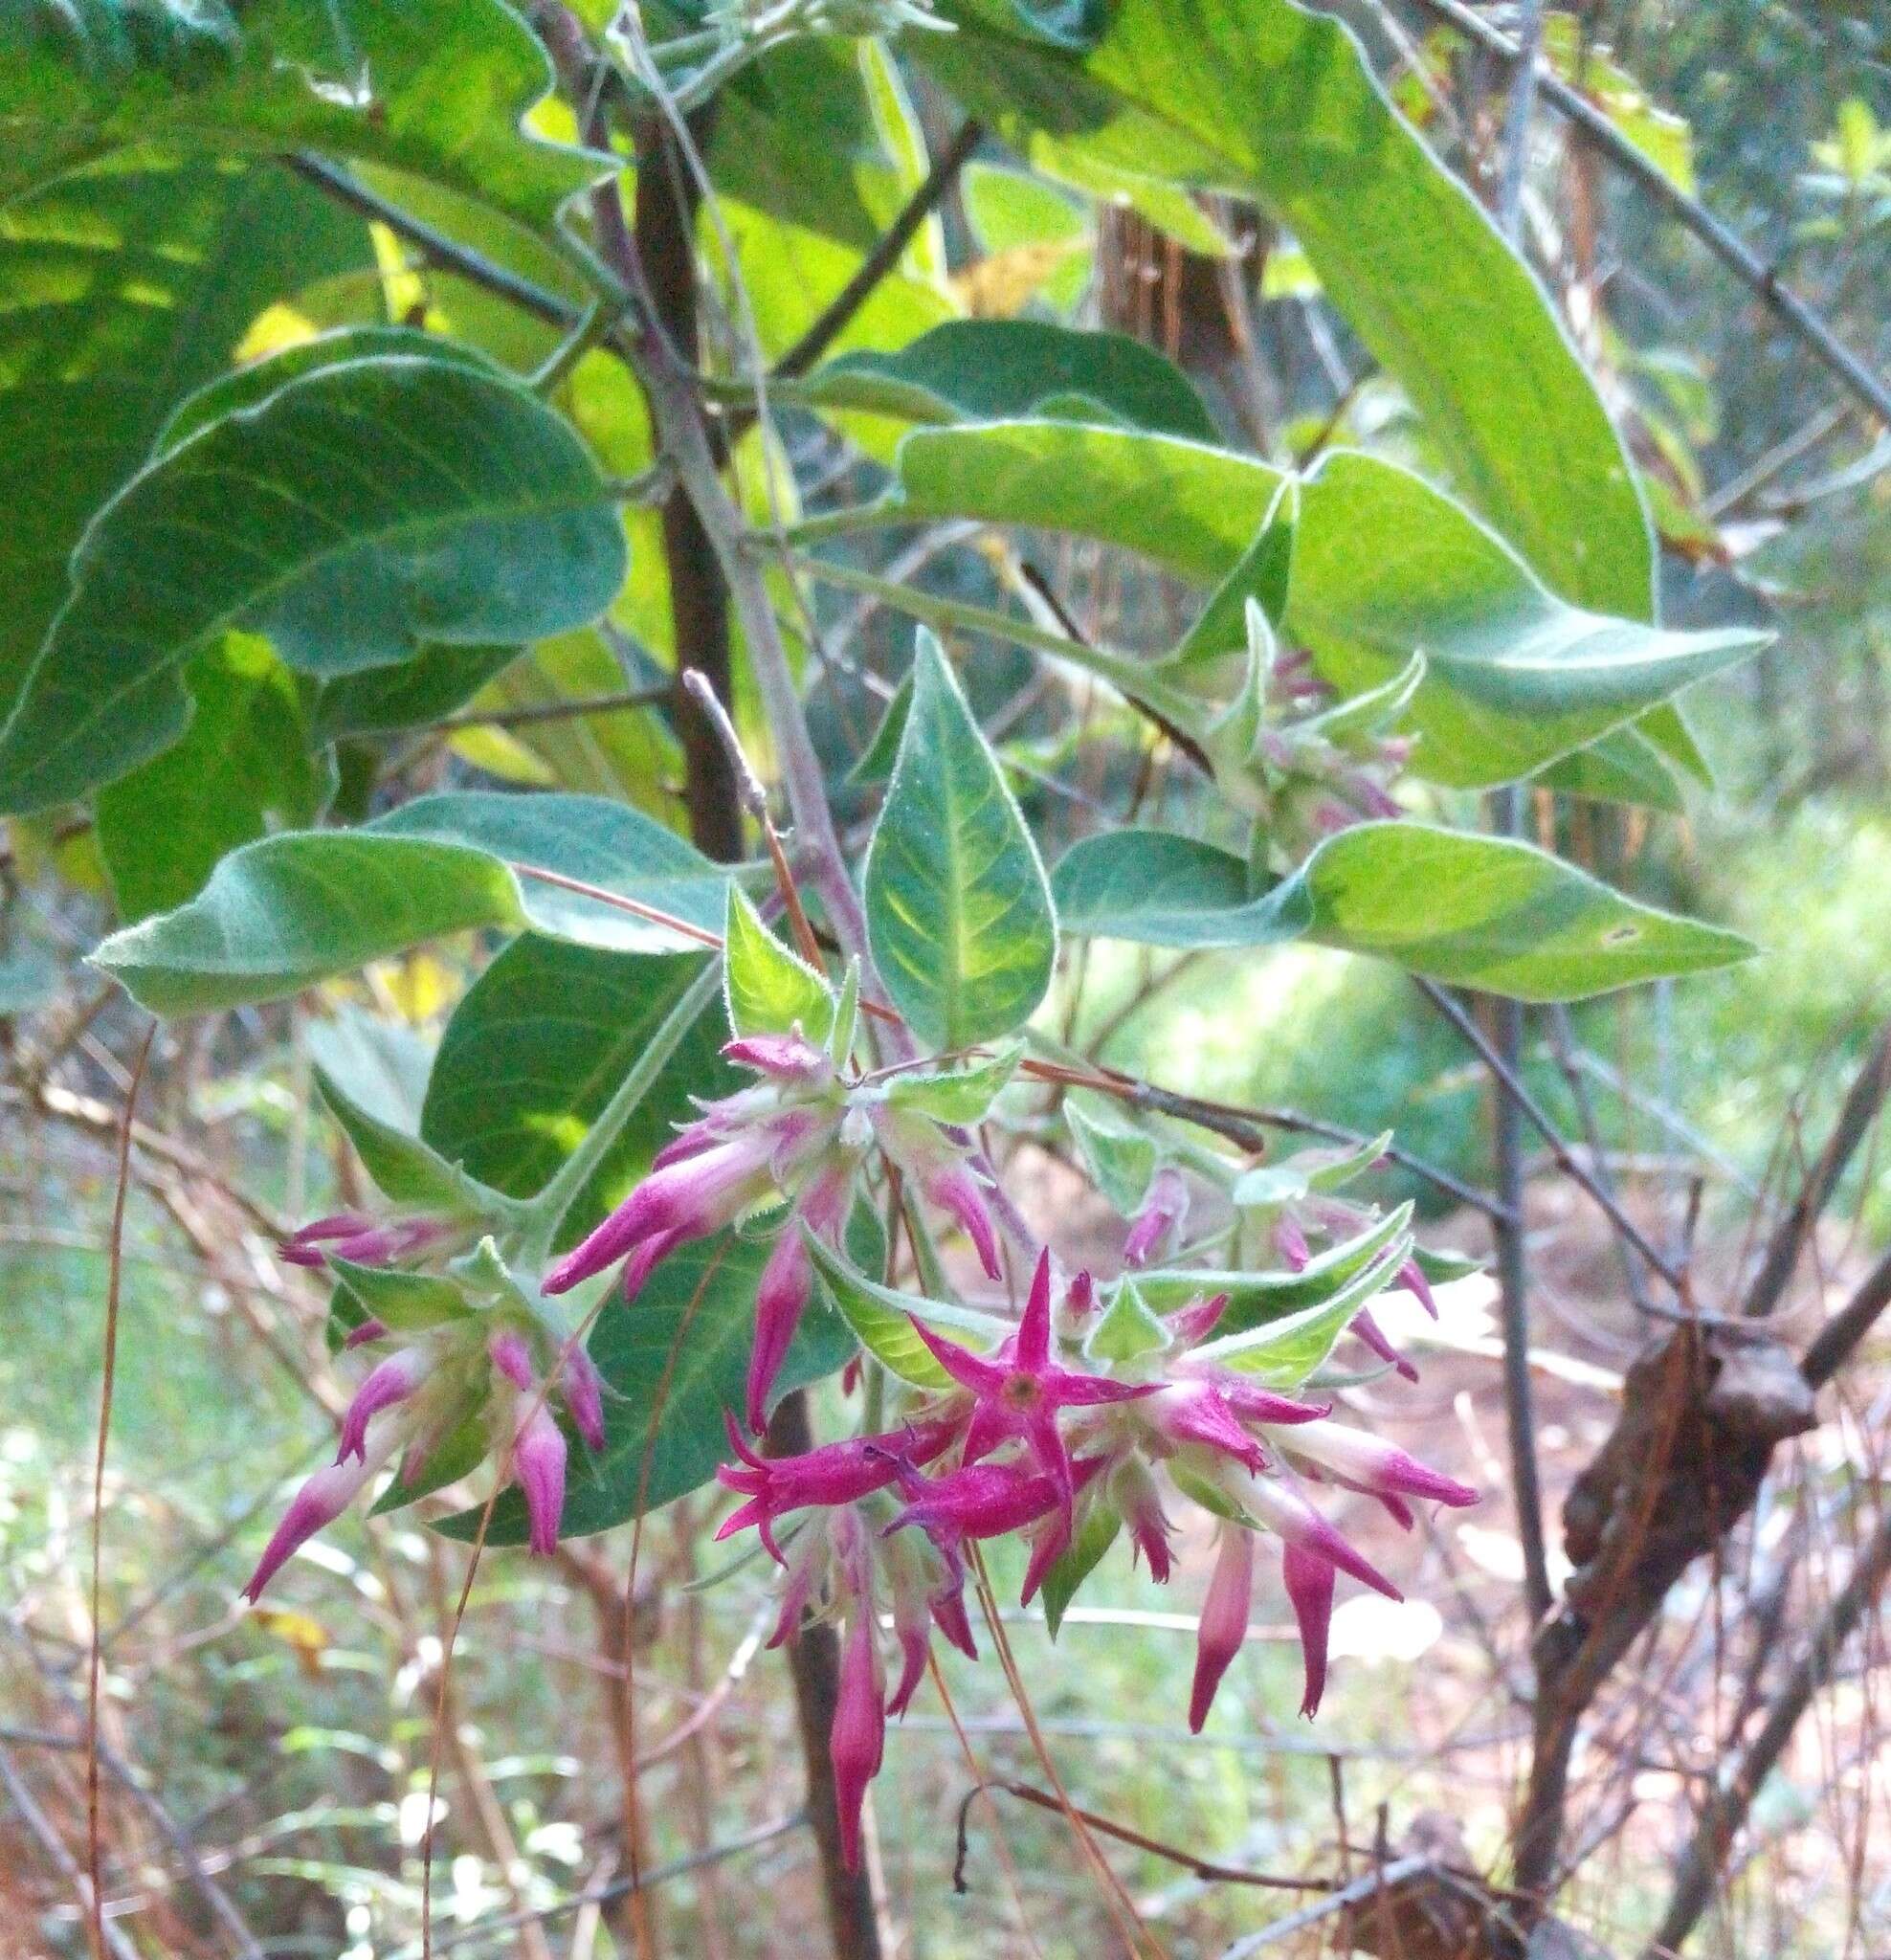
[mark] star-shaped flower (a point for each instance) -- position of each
(1019, 1390)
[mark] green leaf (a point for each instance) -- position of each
(958, 908)
(406, 1171)
(1471, 911)
(535, 1047)
(1078, 1560)
(280, 914)
(386, 699)
(1263, 100)
(1127, 1330)
(883, 749)
(1624, 767)
(1442, 1266)
(407, 1303)
(671, 1366)
(1190, 505)
(496, 526)
(1262, 572)
(379, 1062)
(1322, 1169)
(1284, 1352)
(972, 370)
(1258, 1300)
(768, 989)
(251, 384)
(1383, 566)
(879, 1317)
(432, 88)
(98, 338)
(1119, 1158)
(962, 1095)
(242, 768)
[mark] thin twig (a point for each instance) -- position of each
(1513, 1087)
(437, 247)
(1834, 1342)
(618, 1888)
(94, 1853)
(833, 318)
(1725, 1810)
(556, 710)
(1355, 1894)
(1862, 1103)
(1203, 1868)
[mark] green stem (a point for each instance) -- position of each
(1129, 676)
(546, 1211)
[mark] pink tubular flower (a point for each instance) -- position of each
(914, 1609)
(954, 1190)
(1290, 1242)
(1224, 1620)
(933, 1160)
(1363, 1462)
(858, 1739)
(1369, 1330)
(949, 1612)
(1165, 1209)
(318, 1503)
(1411, 1277)
(538, 1462)
(1019, 1391)
(1197, 1412)
(512, 1355)
(1247, 1401)
(1140, 1502)
(980, 1501)
(787, 1057)
(686, 1199)
(1197, 1322)
(583, 1395)
(362, 1240)
(387, 1383)
(1289, 1515)
(787, 1281)
(1309, 1582)
(833, 1474)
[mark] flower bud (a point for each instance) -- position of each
(318, 1503)
(388, 1382)
(1224, 1620)
(1165, 1210)
(538, 1462)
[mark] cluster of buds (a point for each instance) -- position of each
(1086, 1410)
(468, 1362)
(397, 1238)
(467, 1371)
(795, 1141)
(1302, 765)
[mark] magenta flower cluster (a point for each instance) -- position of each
(1087, 1415)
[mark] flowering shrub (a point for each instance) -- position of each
(1101, 1407)
(469, 396)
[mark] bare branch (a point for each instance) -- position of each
(1854, 1120)
(1595, 125)
(1725, 1810)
